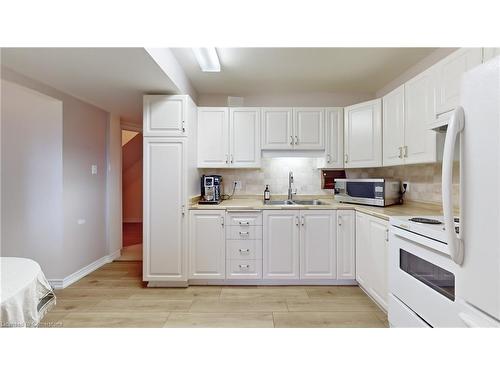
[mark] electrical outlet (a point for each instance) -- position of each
(406, 186)
(237, 185)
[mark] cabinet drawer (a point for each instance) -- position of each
(247, 233)
(244, 269)
(244, 218)
(243, 249)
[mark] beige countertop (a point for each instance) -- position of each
(253, 203)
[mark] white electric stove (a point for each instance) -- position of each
(428, 226)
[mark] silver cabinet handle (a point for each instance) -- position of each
(296, 140)
(302, 221)
(244, 233)
(244, 223)
(244, 266)
(244, 251)
(296, 220)
(400, 152)
(183, 210)
(232, 159)
(387, 235)
(222, 220)
(346, 158)
(328, 158)
(340, 221)
(291, 139)
(227, 159)
(406, 152)
(183, 128)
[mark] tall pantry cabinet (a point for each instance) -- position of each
(170, 178)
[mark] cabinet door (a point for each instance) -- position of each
(309, 128)
(393, 126)
(318, 244)
(164, 115)
(277, 132)
(490, 53)
(213, 137)
(420, 142)
(449, 74)
(281, 244)
(346, 253)
(378, 258)
(334, 141)
(164, 198)
(362, 250)
(363, 135)
(207, 244)
(244, 133)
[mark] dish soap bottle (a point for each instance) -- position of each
(267, 194)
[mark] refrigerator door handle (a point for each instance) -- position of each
(455, 127)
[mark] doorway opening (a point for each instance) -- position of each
(132, 195)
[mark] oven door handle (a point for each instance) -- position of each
(455, 127)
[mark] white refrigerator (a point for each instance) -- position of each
(476, 249)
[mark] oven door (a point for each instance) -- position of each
(423, 279)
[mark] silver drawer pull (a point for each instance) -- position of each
(244, 251)
(244, 233)
(244, 266)
(244, 223)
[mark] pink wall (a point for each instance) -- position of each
(132, 179)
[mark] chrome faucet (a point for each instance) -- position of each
(290, 182)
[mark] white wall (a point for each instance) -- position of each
(311, 99)
(84, 194)
(114, 185)
(32, 177)
(171, 67)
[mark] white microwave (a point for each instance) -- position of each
(369, 191)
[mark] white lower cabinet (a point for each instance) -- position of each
(317, 244)
(346, 258)
(165, 227)
(281, 244)
(207, 245)
(371, 256)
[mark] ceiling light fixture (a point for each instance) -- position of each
(207, 59)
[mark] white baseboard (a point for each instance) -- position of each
(270, 282)
(132, 220)
(84, 271)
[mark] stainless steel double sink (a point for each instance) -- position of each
(312, 202)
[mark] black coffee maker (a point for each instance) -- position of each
(211, 189)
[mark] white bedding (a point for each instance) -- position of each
(26, 295)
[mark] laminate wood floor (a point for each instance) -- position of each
(115, 296)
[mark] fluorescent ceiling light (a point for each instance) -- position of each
(207, 59)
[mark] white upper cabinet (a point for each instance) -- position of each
(164, 204)
(334, 139)
(318, 244)
(165, 115)
(213, 137)
(420, 142)
(490, 53)
(309, 128)
(277, 129)
(393, 105)
(346, 253)
(363, 135)
(207, 245)
(293, 128)
(244, 132)
(449, 72)
(228, 137)
(280, 248)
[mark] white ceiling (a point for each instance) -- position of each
(283, 70)
(113, 79)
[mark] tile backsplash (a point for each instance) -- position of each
(424, 179)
